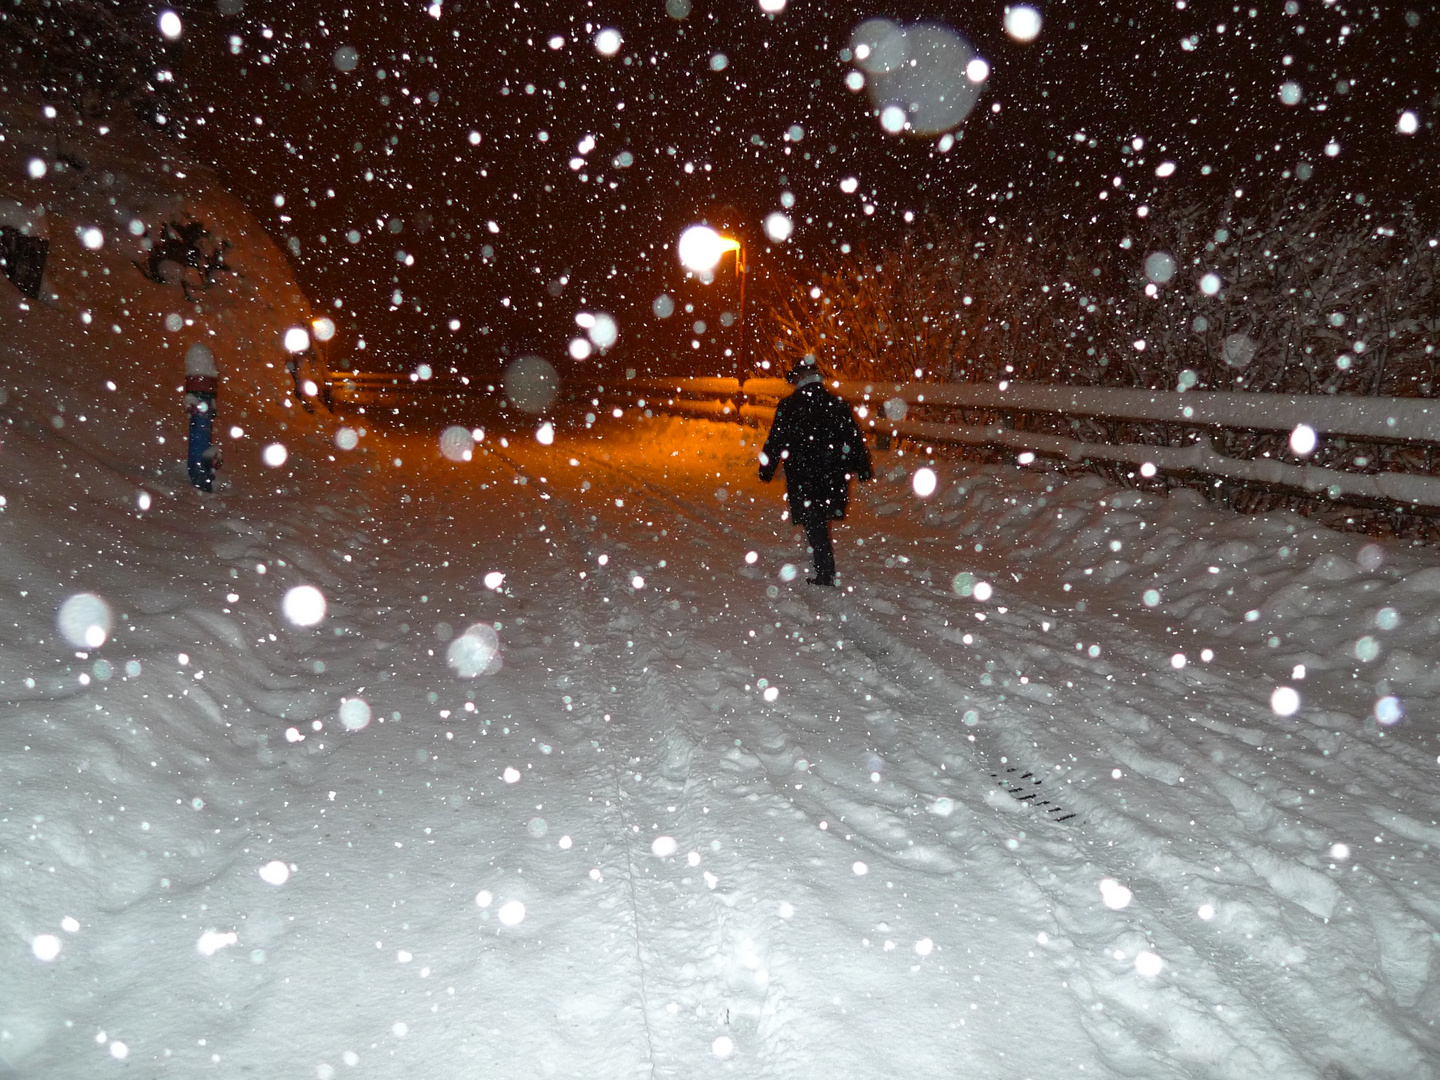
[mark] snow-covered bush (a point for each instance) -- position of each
(1304, 292)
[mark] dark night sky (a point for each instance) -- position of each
(1199, 82)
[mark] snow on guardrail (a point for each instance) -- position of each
(1377, 418)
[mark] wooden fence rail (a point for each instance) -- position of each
(367, 387)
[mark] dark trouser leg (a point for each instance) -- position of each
(817, 535)
(201, 467)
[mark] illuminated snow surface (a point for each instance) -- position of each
(674, 848)
(677, 812)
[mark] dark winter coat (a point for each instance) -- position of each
(817, 440)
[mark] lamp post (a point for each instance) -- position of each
(701, 250)
(297, 342)
(322, 329)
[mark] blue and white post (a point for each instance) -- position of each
(202, 382)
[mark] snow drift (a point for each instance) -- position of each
(98, 357)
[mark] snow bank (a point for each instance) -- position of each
(99, 359)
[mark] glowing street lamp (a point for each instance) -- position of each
(701, 249)
(296, 339)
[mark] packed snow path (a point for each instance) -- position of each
(757, 828)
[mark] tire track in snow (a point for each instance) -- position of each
(708, 995)
(1235, 1009)
(577, 624)
(697, 1010)
(771, 745)
(758, 769)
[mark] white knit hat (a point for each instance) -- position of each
(199, 360)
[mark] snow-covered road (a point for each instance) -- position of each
(701, 818)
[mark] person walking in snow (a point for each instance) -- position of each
(817, 440)
(202, 382)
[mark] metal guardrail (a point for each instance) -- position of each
(881, 408)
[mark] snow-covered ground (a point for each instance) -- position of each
(575, 776)
(698, 818)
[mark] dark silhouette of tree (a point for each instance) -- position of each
(90, 54)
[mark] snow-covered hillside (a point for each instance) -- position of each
(98, 359)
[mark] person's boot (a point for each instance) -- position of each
(822, 579)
